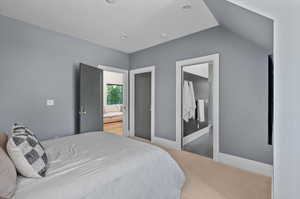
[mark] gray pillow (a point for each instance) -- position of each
(27, 153)
(8, 179)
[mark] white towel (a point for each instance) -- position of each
(186, 102)
(201, 110)
(193, 101)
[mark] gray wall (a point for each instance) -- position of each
(36, 64)
(287, 97)
(243, 88)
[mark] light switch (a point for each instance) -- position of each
(50, 102)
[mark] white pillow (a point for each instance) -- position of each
(8, 174)
(27, 153)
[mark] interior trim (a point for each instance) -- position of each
(214, 59)
(246, 164)
(125, 93)
(134, 72)
(165, 143)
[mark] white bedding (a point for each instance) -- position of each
(104, 166)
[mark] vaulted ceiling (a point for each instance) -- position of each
(133, 25)
(252, 26)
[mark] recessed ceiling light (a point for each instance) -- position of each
(164, 35)
(186, 6)
(111, 1)
(124, 36)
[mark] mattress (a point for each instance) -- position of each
(99, 165)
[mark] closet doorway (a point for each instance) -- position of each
(197, 106)
(142, 102)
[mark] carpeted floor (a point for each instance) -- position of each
(207, 179)
(210, 180)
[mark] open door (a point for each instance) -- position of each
(91, 99)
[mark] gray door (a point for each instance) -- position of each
(142, 114)
(91, 99)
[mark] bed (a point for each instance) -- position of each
(99, 165)
(112, 113)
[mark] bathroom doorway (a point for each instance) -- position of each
(198, 105)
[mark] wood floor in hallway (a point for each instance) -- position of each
(114, 127)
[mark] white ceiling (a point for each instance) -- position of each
(143, 21)
(201, 70)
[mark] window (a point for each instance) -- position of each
(114, 94)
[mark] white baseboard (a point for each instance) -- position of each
(246, 164)
(165, 143)
(231, 160)
(195, 135)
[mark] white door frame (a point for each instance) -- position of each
(134, 72)
(125, 93)
(214, 59)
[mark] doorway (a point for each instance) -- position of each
(142, 102)
(196, 109)
(115, 99)
(113, 102)
(197, 105)
(103, 99)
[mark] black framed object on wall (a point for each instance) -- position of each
(270, 99)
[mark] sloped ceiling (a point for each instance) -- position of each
(245, 23)
(126, 25)
(143, 23)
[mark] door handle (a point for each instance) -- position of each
(82, 111)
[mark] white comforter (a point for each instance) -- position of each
(104, 166)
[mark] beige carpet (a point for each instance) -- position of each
(211, 180)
